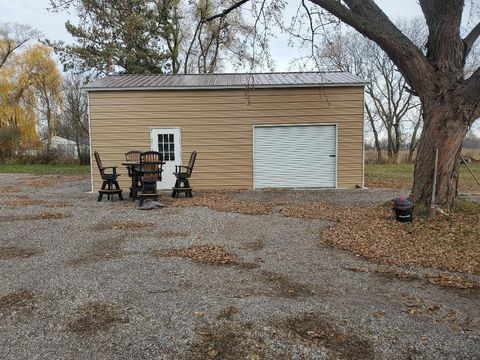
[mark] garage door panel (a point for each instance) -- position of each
(295, 156)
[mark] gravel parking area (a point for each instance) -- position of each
(88, 280)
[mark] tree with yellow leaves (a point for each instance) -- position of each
(30, 90)
(16, 99)
(45, 81)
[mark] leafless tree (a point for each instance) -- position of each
(218, 38)
(73, 120)
(13, 37)
(390, 110)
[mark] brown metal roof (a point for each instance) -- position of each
(224, 81)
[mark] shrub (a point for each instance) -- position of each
(9, 140)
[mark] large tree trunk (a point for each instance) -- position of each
(445, 130)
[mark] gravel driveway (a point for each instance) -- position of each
(78, 281)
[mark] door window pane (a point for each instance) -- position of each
(166, 146)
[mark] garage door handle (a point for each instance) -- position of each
(333, 155)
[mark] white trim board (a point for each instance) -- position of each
(90, 141)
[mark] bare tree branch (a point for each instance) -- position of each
(470, 91)
(470, 39)
(57, 5)
(368, 19)
(226, 11)
(13, 37)
(190, 47)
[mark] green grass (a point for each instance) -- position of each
(403, 174)
(48, 169)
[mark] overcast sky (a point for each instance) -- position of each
(35, 13)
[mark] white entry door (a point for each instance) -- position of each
(300, 156)
(167, 142)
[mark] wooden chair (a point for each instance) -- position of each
(183, 174)
(110, 185)
(151, 163)
(133, 156)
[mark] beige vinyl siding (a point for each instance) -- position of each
(219, 125)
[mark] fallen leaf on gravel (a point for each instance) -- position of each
(41, 216)
(198, 314)
(44, 181)
(313, 334)
(227, 340)
(379, 314)
(11, 252)
(356, 269)
(446, 280)
(95, 316)
(228, 312)
(440, 279)
(283, 286)
(16, 300)
(58, 205)
(22, 202)
(448, 242)
(209, 254)
(392, 273)
(319, 329)
(223, 201)
(212, 353)
(50, 215)
(130, 226)
(412, 310)
(122, 226)
(101, 250)
(10, 190)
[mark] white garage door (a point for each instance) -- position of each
(294, 156)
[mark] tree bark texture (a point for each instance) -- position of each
(443, 129)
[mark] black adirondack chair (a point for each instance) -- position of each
(110, 185)
(151, 163)
(183, 174)
(133, 172)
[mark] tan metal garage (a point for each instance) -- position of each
(250, 130)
